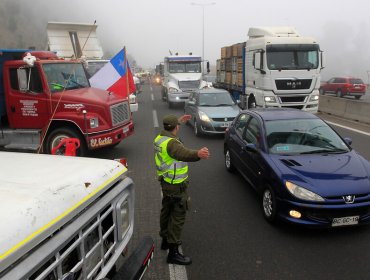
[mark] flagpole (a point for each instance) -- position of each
(126, 65)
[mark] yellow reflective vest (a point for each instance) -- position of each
(172, 170)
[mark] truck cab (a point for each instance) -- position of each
(182, 74)
(44, 99)
(282, 69)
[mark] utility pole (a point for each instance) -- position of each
(203, 5)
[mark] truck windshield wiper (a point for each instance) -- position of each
(77, 84)
(220, 105)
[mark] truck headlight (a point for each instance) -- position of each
(270, 99)
(302, 193)
(204, 117)
(173, 90)
(314, 98)
(94, 122)
(123, 218)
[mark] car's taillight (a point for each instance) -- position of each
(347, 85)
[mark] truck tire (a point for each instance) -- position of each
(55, 136)
(251, 102)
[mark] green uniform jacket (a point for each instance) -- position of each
(177, 150)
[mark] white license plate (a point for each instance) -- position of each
(225, 124)
(125, 129)
(345, 221)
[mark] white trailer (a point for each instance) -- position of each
(74, 40)
(275, 67)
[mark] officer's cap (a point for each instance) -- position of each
(170, 122)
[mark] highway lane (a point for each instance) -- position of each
(225, 233)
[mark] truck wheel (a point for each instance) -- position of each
(251, 102)
(57, 135)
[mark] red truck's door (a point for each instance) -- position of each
(29, 109)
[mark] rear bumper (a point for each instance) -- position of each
(138, 262)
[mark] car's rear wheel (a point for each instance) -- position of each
(269, 204)
(251, 102)
(228, 162)
(358, 97)
(339, 93)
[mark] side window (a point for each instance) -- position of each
(252, 133)
(241, 123)
(35, 84)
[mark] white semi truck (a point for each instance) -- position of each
(67, 218)
(182, 74)
(275, 67)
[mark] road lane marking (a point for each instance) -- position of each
(152, 97)
(349, 128)
(155, 119)
(151, 89)
(177, 272)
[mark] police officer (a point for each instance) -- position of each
(171, 158)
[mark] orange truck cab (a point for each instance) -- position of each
(44, 99)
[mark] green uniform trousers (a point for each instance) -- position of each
(175, 203)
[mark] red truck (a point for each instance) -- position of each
(49, 99)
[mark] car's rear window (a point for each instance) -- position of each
(355, 81)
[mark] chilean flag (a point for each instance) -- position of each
(115, 76)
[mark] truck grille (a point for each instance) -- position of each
(292, 99)
(293, 84)
(120, 113)
(86, 253)
(189, 85)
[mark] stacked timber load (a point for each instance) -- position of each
(237, 66)
(230, 66)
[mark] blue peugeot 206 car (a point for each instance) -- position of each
(306, 173)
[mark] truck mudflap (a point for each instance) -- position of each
(138, 262)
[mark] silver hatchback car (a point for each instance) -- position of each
(212, 111)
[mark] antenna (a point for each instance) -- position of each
(170, 52)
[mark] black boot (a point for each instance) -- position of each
(164, 244)
(175, 257)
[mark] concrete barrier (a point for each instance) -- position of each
(355, 110)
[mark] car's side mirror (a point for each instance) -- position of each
(348, 141)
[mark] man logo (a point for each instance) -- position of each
(349, 199)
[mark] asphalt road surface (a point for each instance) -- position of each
(225, 233)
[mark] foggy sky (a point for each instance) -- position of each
(150, 28)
